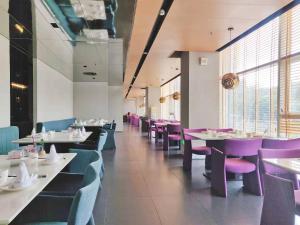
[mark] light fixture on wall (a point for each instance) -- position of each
(176, 95)
(19, 28)
(18, 86)
(162, 100)
(230, 80)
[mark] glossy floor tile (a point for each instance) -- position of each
(142, 186)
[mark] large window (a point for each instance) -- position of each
(170, 108)
(268, 64)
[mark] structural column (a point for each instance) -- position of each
(152, 102)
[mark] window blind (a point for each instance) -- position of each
(170, 109)
(252, 106)
(268, 63)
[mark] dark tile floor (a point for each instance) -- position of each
(142, 186)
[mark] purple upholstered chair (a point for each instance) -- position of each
(222, 130)
(246, 164)
(279, 205)
(172, 132)
(198, 150)
(281, 144)
(270, 169)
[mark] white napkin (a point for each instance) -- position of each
(33, 132)
(83, 131)
(43, 130)
(23, 179)
(52, 156)
(80, 123)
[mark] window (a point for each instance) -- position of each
(170, 109)
(268, 64)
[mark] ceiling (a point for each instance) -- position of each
(191, 25)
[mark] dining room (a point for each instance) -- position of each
(161, 112)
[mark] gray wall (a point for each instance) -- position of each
(5, 67)
(200, 90)
(152, 102)
(101, 97)
(53, 69)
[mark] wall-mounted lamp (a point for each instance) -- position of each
(18, 86)
(19, 28)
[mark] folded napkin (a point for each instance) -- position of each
(23, 179)
(52, 156)
(43, 130)
(83, 131)
(33, 132)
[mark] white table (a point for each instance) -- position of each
(12, 203)
(291, 164)
(56, 138)
(215, 137)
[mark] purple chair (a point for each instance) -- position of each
(281, 144)
(270, 169)
(159, 130)
(280, 202)
(223, 130)
(246, 164)
(189, 149)
(172, 133)
(198, 150)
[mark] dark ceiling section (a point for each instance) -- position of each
(73, 25)
(124, 24)
(157, 25)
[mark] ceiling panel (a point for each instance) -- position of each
(191, 25)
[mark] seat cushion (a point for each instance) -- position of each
(175, 137)
(237, 165)
(201, 150)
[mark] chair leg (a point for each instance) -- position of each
(91, 221)
(218, 174)
(252, 183)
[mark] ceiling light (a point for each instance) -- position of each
(145, 53)
(19, 27)
(18, 86)
(162, 12)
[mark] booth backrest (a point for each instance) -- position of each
(7, 135)
(55, 125)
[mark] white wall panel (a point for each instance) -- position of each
(4, 82)
(91, 100)
(54, 94)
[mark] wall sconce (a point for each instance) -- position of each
(18, 86)
(20, 28)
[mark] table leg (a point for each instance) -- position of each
(187, 155)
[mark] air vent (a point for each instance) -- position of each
(90, 74)
(54, 25)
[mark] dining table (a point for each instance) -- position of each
(14, 201)
(62, 140)
(289, 164)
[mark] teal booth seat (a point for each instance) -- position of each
(63, 210)
(55, 125)
(70, 183)
(110, 140)
(7, 135)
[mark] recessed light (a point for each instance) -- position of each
(162, 12)
(145, 53)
